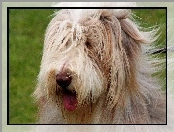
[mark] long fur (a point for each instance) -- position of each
(112, 76)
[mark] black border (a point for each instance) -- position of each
(87, 8)
(8, 67)
(8, 62)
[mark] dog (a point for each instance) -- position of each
(94, 71)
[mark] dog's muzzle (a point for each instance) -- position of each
(64, 79)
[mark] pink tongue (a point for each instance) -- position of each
(70, 101)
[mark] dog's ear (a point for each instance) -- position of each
(132, 30)
(126, 56)
(120, 68)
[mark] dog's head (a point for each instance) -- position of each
(89, 53)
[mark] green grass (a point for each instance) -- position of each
(151, 18)
(26, 37)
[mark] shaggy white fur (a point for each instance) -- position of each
(100, 53)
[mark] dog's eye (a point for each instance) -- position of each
(104, 18)
(88, 45)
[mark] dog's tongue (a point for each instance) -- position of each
(69, 101)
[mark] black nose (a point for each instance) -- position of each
(63, 79)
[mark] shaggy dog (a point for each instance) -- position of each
(94, 71)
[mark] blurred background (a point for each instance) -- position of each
(26, 37)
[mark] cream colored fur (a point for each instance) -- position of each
(102, 50)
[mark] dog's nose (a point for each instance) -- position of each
(63, 79)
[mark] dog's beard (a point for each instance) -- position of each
(78, 100)
(86, 86)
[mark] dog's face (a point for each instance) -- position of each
(88, 56)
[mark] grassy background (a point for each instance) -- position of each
(27, 28)
(26, 36)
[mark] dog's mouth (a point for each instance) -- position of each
(69, 100)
